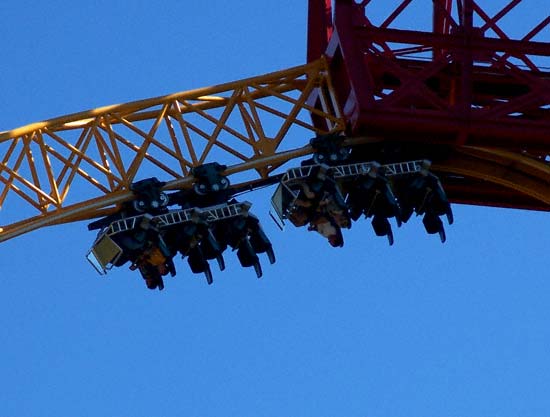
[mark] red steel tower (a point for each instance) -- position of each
(448, 81)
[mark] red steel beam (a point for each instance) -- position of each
(319, 28)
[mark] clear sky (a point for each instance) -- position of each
(419, 329)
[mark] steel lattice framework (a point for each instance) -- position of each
(461, 91)
(457, 86)
(248, 125)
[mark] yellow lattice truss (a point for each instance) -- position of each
(81, 166)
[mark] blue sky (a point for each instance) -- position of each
(417, 329)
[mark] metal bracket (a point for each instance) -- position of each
(329, 149)
(149, 195)
(209, 179)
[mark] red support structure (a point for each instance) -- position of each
(319, 28)
(460, 81)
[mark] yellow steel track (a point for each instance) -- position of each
(81, 166)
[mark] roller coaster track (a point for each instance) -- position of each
(49, 166)
(81, 166)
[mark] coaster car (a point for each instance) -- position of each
(327, 196)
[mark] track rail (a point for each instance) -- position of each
(81, 166)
